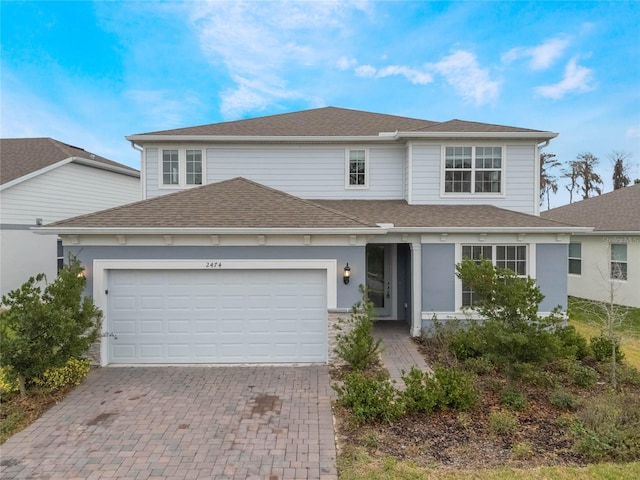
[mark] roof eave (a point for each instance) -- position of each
(445, 229)
(510, 135)
(61, 230)
(612, 232)
(257, 138)
(104, 166)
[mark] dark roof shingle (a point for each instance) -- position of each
(332, 121)
(235, 203)
(22, 156)
(617, 211)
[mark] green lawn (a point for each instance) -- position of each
(583, 317)
(358, 465)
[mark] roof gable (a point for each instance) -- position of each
(236, 203)
(22, 156)
(617, 211)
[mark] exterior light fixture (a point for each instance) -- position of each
(346, 275)
(82, 273)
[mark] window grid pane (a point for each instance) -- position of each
(619, 261)
(194, 167)
(458, 161)
(575, 258)
(357, 167)
(170, 166)
(513, 257)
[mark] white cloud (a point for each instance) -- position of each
(462, 71)
(414, 76)
(633, 132)
(345, 63)
(541, 56)
(259, 42)
(577, 79)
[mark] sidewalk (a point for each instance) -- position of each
(399, 351)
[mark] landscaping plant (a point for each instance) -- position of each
(356, 344)
(45, 325)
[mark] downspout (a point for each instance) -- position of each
(143, 176)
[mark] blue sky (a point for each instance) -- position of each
(89, 73)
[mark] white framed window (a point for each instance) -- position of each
(180, 167)
(473, 170)
(357, 168)
(575, 258)
(513, 257)
(619, 261)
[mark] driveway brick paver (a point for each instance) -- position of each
(183, 423)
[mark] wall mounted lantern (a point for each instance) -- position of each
(346, 275)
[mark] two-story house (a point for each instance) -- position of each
(254, 235)
(43, 180)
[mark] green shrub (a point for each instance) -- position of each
(8, 380)
(457, 388)
(522, 450)
(574, 344)
(448, 387)
(539, 378)
(480, 365)
(355, 343)
(421, 393)
(513, 398)
(71, 373)
(602, 347)
(583, 376)
(369, 398)
(467, 343)
(502, 423)
(608, 428)
(562, 398)
(628, 375)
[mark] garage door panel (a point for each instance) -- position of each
(217, 316)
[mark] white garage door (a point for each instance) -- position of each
(217, 316)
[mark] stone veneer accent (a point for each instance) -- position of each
(332, 320)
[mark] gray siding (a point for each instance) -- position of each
(151, 172)
(520, 179)
(425, 177)
(347, 294)
(551, 275)
(438, 277)
(307, 171)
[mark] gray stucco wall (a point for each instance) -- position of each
(438, 277)
(347, 294)
(551, 274)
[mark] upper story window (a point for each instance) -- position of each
(619, 261)
(182, 167)
(473, 170)
(357, 168)
(575, 258)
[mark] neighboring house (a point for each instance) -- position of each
(607, 260)
(243, 248)
(43, 180)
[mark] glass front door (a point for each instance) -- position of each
(379, 278)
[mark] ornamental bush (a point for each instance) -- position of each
(355, 343)
(45, 325)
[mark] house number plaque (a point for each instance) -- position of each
(213, 264)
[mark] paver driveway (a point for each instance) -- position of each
(183, 423)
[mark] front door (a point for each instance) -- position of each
(379, 278)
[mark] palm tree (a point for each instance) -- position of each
(548, 181)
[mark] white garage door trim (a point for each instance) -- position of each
(102, 267)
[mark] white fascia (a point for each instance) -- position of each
(206, 231)
(140, 139)
(540, 136)
(568, 230)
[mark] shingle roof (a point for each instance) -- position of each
(241, 203)
(401, 214)
(22, 156)
(235, 203)
(617, 211)
(332, 121)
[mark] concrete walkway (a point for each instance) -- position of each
(400, 353)
(182, 423)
